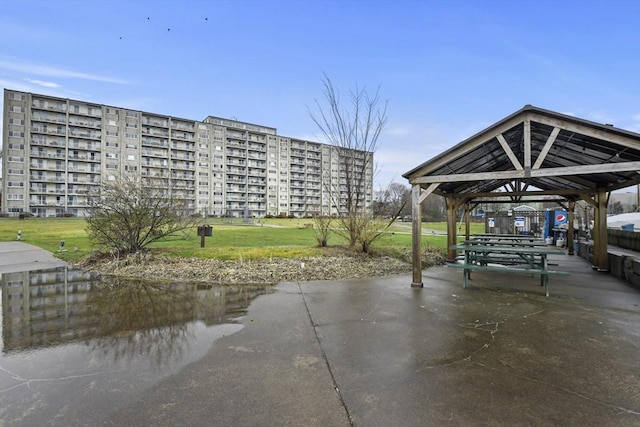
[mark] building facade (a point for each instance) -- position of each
(56, 152)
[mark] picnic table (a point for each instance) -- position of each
(509, 257)
(505, 237)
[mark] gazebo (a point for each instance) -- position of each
(532, 152)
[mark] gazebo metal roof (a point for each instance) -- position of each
(535, 151)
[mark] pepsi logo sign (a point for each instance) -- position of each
(561, 217)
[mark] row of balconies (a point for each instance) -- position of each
(256, 156)
(182, 136)
(86, 157)
(154, 174)
(183, 146)
(182, 166)
(48, 105)
(84, 145)
(61, 178)
(182, 176)
(154, 132)
(183, 156)
(154, 122)
(154, 153)
(85, 134)
(43, 166)
(49, 130)
(96, 124)
(155, 142)
(154, 164)
(49, 118)
(39, 140)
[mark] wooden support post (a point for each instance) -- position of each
(467, 221)
(570, 234)
(600, 253)
(416, 232)
(451, 227)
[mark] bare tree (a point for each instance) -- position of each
(354, 134)
(322, 228)
(128, 215)
(393, 200)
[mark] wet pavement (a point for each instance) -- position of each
(378, 353)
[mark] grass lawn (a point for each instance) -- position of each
(273, 237)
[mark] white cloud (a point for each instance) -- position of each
(21, 66)
(43, 83)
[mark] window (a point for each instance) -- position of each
(16, 121)
(17, 109)
(131, 157)
(130, 136)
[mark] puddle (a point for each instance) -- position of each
(76, 347)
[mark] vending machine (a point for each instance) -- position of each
(556, 222)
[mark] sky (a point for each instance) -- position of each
(447, 69)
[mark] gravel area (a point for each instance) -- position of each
(260, 271)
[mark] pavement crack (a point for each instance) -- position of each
(453, 362)
(27, 381)
(491, 327)
(563, 389)
(325, 358)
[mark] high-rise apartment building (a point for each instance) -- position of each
(56, 151)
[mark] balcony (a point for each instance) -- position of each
(48, 130)
(154, 122)
(39, 140)
(45, 105)
(47, 155)
(85, 134)
(155, 142)
(50, 118)
(76, 121)
(155, 132)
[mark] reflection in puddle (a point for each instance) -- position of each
(75, 348)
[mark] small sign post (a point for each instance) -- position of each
(204, 231)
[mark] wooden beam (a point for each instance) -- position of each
(527, 144)
(505, 146)
(451, 227)
(416, 234)
(570, 228)
(425, 193)
(546, 148)
(537, 173)
(600, 252)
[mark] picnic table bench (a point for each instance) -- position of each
(506, 237)
(508, 258)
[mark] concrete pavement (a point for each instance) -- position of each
(378, 353)
(20, 256)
